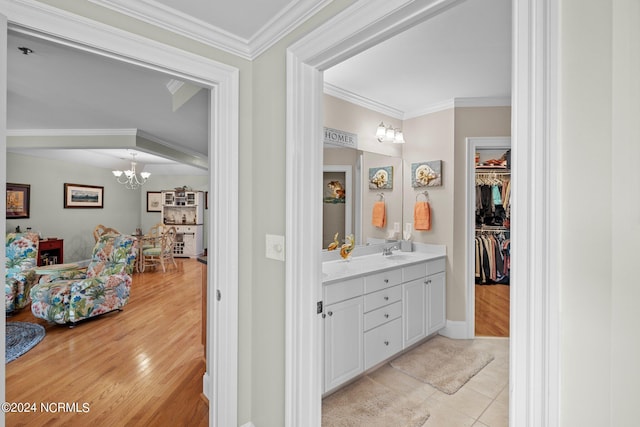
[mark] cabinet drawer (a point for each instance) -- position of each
(378, 281)
(382, 315)
(413, 272)
(382, 298)
(341, 291)
(382, 342)
(436, 266)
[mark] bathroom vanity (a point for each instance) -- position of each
(377, 306)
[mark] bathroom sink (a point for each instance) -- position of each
(400, 257)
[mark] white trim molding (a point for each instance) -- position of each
(46, 22)
(362, 101)
(534, 324)
(455, 329)
(362, 25)
(160, 15)
(534, 380)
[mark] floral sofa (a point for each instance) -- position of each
(104, 288)
(21, 254)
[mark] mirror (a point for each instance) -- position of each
(350, 195)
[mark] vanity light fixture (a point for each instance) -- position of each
(389, 134)
(129, 178)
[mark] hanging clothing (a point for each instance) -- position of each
(492, 258)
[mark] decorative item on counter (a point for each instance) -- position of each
(334, 245)
(347, 247)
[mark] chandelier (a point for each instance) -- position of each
(129, 178)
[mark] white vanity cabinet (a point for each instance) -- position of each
(423, 299)
(343, 331)
(371, 318)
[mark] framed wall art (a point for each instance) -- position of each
(154, 201)
(381, 178)
(83, 196)
(426, 174)
(18, 200)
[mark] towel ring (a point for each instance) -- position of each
(381, 197)
(424, 193)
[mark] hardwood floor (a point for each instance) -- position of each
(492, 310)
(140, 367)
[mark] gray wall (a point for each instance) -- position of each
(123, 209)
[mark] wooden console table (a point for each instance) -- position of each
(50, 251)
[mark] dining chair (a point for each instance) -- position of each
(162, 254)
(101, 230)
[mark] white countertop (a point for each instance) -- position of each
(336, 270)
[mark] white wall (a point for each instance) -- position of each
(599, 211)
(625, 345)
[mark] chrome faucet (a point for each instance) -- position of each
(387, 251)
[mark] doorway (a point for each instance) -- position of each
(488, 228)
(219, 384)
(533, 66)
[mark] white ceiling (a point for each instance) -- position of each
(463, 53)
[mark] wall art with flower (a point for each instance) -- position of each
(381, 178)
(426, 174)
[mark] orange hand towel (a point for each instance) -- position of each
(379, 217)
(422, 216)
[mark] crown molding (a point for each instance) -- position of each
(155, 13)
(72, 132)
(460, 103)
(287, 20)
(448, 104)
(362, 101)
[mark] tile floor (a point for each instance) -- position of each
(482, 402)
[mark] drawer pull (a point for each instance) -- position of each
(386, 316)
(427, 282)
(386, 342)
(386, 280)
(330, 313)
(386, 298)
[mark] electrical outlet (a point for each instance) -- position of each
(274, 247)
(396, 227)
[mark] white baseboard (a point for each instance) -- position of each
(249, 424)
(456, 330)
(206, 383)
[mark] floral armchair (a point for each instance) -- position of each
(21, 253)
(104, 288)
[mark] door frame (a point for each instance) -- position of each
(40, 20)
(534, 347)
(473, 144)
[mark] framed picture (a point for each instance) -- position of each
(381, 178)
(154, 201)
(18, 198)
(83, 196)
(426, 174)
